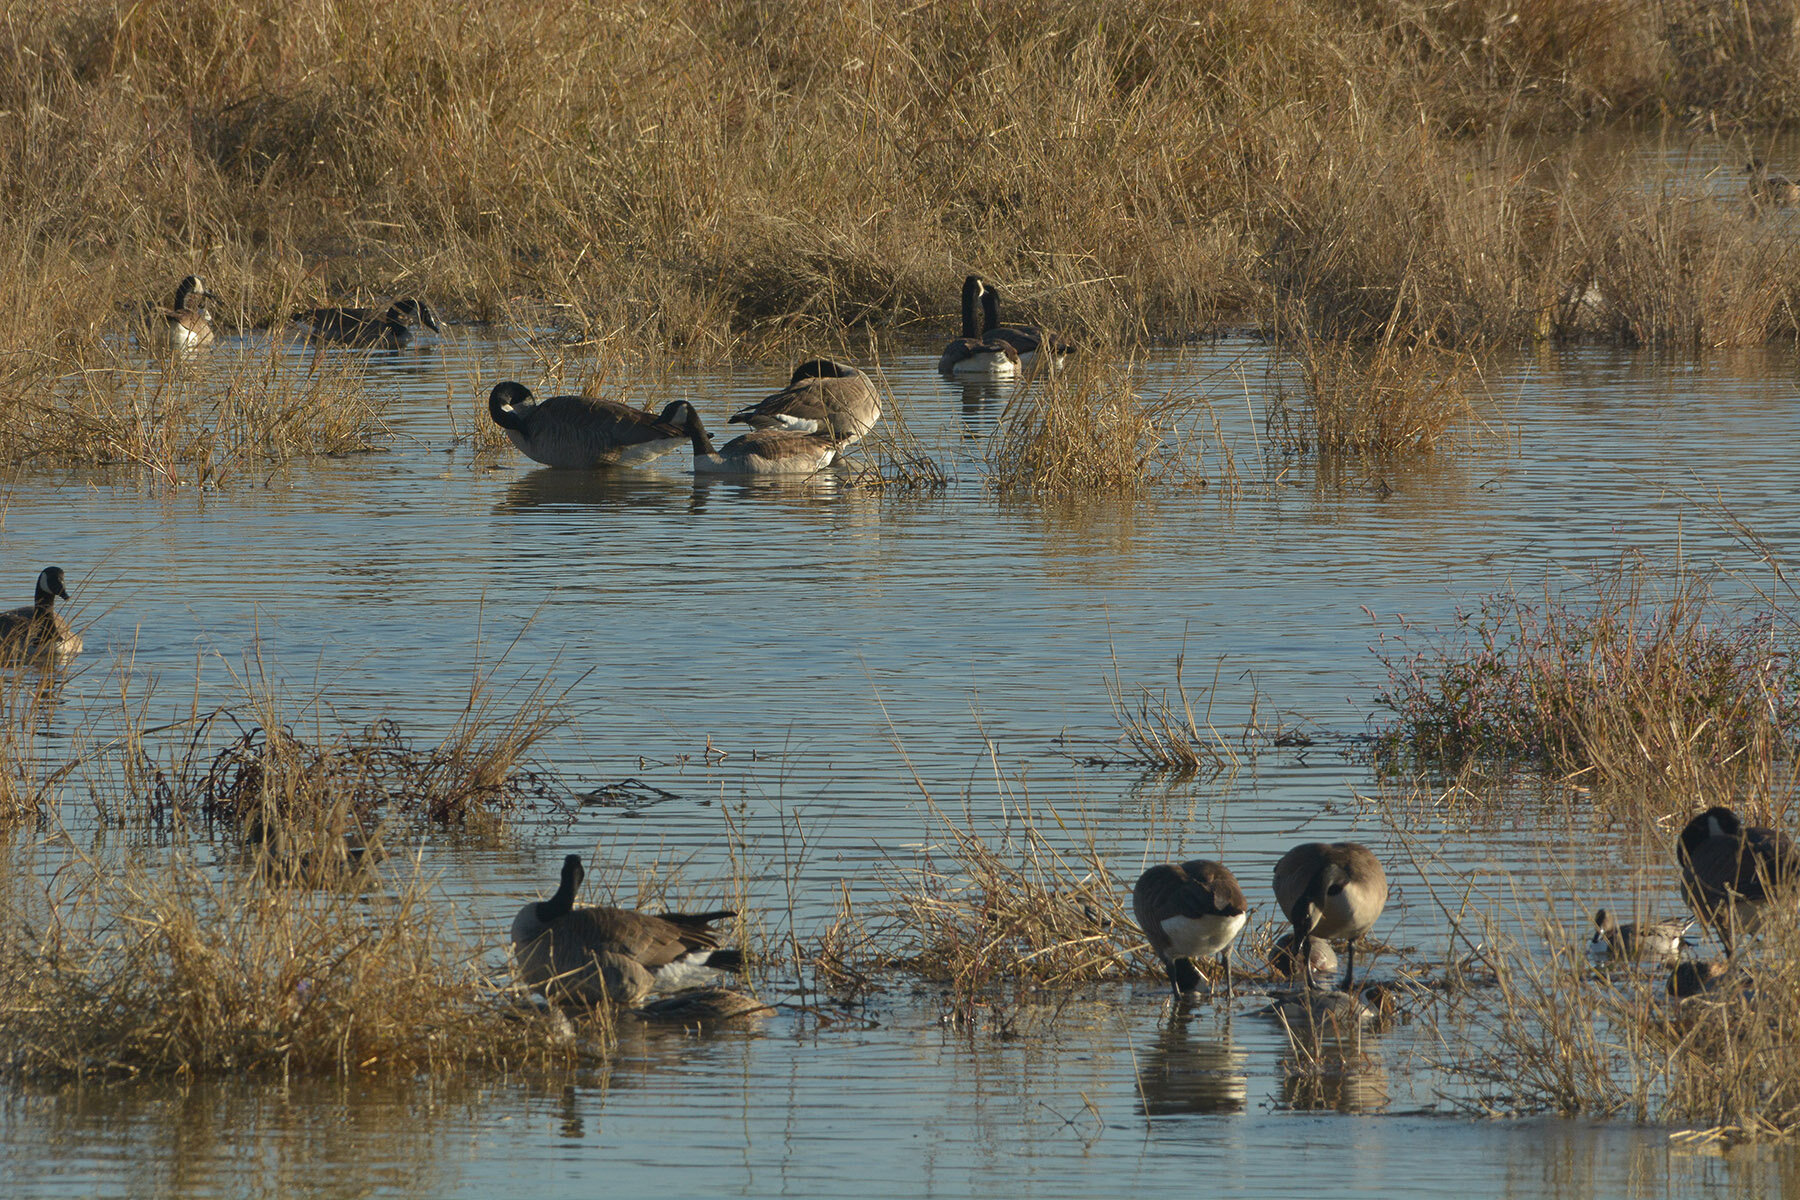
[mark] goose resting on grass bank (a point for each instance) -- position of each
(972, 356)
(822, 396)
(762, 452)
(598, 954)
(38, 629)
(389, 330)
(579, 432)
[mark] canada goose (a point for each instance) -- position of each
(186, 325)
(580, 432)
(38, 628)
(1765, 189)
(1028, 340)
(1321, 959)
(1188, 910)
(700, 1006)
(388, 330)
(1333, 890)
(1634, 940)
(822, 396)
(1730, 871)
(971, 354)
(760, 452)
(1696, 978)
(595, 954)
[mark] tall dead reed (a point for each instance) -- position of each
(1384, 400)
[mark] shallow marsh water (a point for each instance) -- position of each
(829, 646)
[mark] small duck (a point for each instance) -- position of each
(38, 629)
(1635, 940)
(972, 356)
(761, 452)
(389, 330)
(822, 396)
(186, 325)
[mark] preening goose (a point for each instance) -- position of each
(1189, 910)
(762, 452)
(596, 954)
(1331, 890)
(1030, 341)
(822, 396)
(971, 355)
(580, 432)
(38, 628)
(389, 330)
(186, 325)
(1731, 872)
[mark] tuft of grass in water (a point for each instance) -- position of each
(1168, 735)
(122, 971)
(1088, 428)
(1385, 400)
(1630, 677)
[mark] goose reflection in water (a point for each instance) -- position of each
(633, 490)
(1180, 1073)
(1334, 1080)
(983, 400)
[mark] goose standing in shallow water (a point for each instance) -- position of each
(1190, 910)
(823, 396)
(390, 330)
(971, 355)
(1731, 872)
(596, 954)
(761, 452)
(1030, 341)
(186, 325)
(1331, 890)
(38, 628)
(580, 432)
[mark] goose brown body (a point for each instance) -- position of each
(389, 329)
(822, 397)
(581, 432)
(1331, 890)
(767, 452)
(1031, 342)
(1188, 910)
(594, 954)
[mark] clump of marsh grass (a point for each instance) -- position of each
(1559, 1036)
(1166, 734)
(122, 970)
(1382, 400)
(1090, 429)
(1631, 677)
(199, 422)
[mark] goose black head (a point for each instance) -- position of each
(507, 404)
(50, 584)
(418, 310)
(1717, 821)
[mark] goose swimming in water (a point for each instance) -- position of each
(389, 330)
(580, 432)
(971, 355)
(38, 628)
(823, 396)
(1030, 341)
(185, 326)
(598, 954)
(761, 452)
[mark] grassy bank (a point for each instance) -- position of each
(729, 179)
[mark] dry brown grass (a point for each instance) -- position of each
(1383, 400)
(728, 181)
(120, 969)
(1639, 676)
